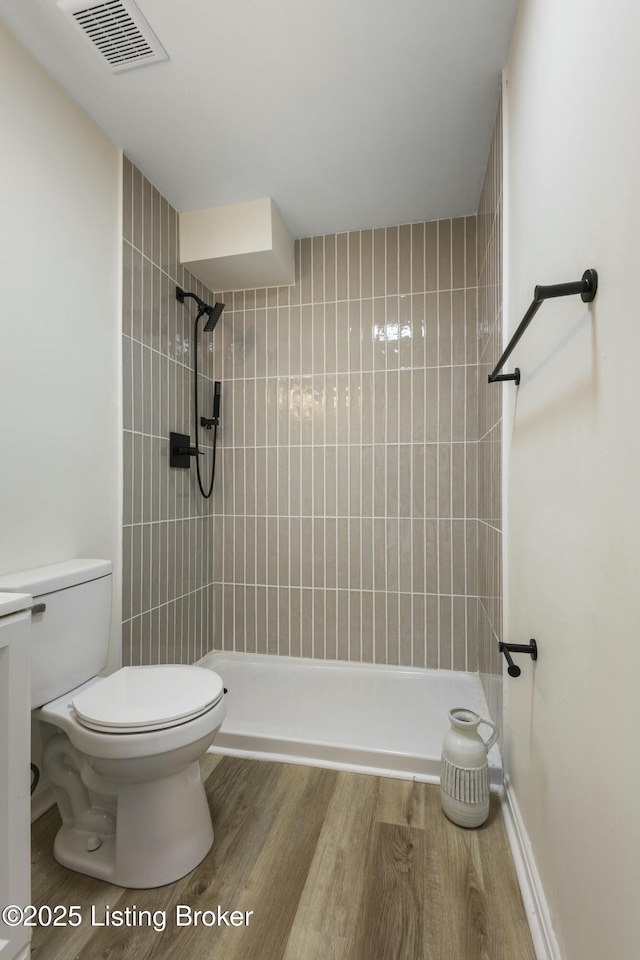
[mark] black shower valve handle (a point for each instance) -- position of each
(181, 450)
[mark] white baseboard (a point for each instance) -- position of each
(41, 801)
(535, 903)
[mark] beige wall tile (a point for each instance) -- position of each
(391, 328)
(272, 620)
(431, 555)
(367, 546)
(404, 259)
(431, 405)
(417, 257)
(405, 332)
(367, 626)
(444, 328)
(329, 268)
(349, 623)
(444, 404)
(393, 628)
(342, 266)
(317, 266)
(404, 480)
(431, 330)
(444, 557)
(419, 630)
(295, 572)
(459, 633)
(419, 555)
(432, 460)
(433, 633)
(380, 628)
(366, 263)
(354, 265)
(379, 263)
(418, 485)
(444, 480)
(306, 623)
(392, 260)
(444, 255)
(305, 271)
(295, 627)
(306, 552)
(458, 253)
(445, 632)
(379, 334)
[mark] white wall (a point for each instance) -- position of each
(60, 320)
(572, 464)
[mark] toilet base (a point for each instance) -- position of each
(163, 831)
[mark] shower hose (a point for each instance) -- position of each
(205, 493)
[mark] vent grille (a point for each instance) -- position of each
(117, 30)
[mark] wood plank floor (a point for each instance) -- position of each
(334, 866)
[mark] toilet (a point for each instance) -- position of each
(122, 752)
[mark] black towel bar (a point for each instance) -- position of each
(587, 288)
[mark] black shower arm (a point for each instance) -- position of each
(181, 294)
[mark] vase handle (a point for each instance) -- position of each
(492, 739)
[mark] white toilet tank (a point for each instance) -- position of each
(70, 637)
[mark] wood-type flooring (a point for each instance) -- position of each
(333, 866)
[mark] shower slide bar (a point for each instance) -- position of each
(586, 287)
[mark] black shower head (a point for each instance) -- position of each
(213, 313)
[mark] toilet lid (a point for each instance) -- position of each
(140, 699)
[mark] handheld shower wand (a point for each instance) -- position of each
(208, 422)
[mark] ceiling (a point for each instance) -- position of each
(348, 113)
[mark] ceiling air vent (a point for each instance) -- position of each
(117, 30)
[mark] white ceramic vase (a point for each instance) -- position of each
(464, 769)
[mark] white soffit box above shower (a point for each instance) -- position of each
(237, 247)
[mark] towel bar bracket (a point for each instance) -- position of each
(590, 279)
(508, 648)
(515, 376)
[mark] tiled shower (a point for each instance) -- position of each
(356, 510)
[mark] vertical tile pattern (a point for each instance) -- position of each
(489, 345)
(347, 492)
(172, 575)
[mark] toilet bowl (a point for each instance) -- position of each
(122, 752)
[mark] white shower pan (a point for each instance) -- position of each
(387, 721)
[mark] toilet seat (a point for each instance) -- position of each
(141, 699)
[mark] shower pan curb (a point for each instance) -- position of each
(381, 720)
